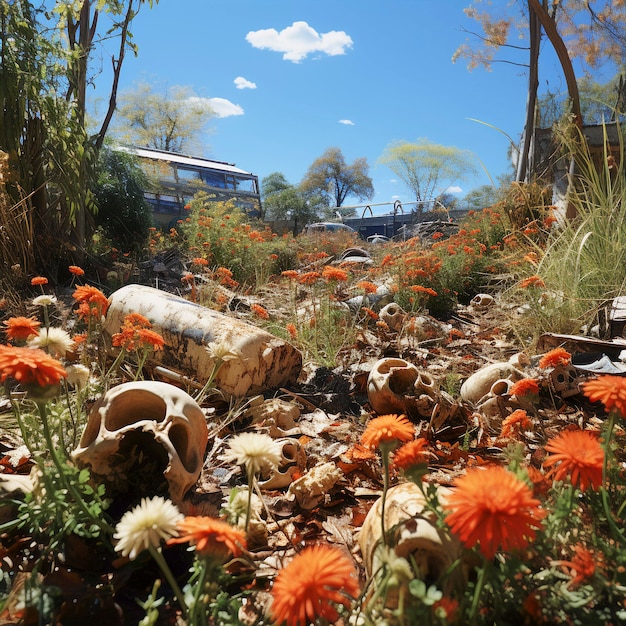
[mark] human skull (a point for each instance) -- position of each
(393, 315)
(146, 437)
(415, 534)
(479, 384)
(397, 386)
(292, 463)
(564, 381)
(482, 301)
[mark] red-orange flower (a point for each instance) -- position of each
(532, 281)
(334, 273)
(310, 586)
(558, 356)
(610, 390)
(581, 568)
(211, 537)
(493, 509)
(309, 278)
(425, 290)
(290, 274)
(514, 423)
(387, 428)
(21, 328)
(30, 365)
(579, 456)
(292, 330)
(260, 311)
(524, 387)
(76, 270)
(413, 453)
(367, 286)
(39, 280)
(93, 297)
(137, 320)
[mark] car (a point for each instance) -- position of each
(378, 239)
(327, 227)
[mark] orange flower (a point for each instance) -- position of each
(370, 313)
(39, 280)
(532, 281)
(581, 568)
(292, 330)
(309, 278)
(290, 274)
(211, 537)
(425, 290)
(524, 387)
(334, 273)
(514, 423)
(150, 338)
(77, 271)
(21, 328)
(30, 365)
(260, 311)
(412, 453)
(558, 356)
(311, 584)
(367, 286)
(494, 509)
(93, 297)
(199, 261)
(137, 320)
(610, 390)
(579, 456)
(387, 428)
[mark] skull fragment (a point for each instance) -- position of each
(144, 438)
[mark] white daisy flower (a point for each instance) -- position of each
(255, 451)
(77, 375)
(55, 341)
(146, 525)
(236, 507)
(44, 300)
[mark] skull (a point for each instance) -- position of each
(393, 315)
(415, 534)
(397, 386)
(482, 301)
(292, 463)
(479, 384)
(145, 438)
(564, 381)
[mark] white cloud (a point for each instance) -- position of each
(244, 83)
(347, 122)
(299, 40)
(225, 108)
(220, 107)
(454, 189)
(393, 180)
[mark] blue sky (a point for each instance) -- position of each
(291, 78)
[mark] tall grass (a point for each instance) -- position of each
(584, 264)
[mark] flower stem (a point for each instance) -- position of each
(385, 456)
(251, 480)
(480, 584)
(617, 533)
(167, 572)
(60, 467)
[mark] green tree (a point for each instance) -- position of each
(426, 168)
(123, 213)
(45, 52)
(283, 201)
(172, 120)
(330, 177)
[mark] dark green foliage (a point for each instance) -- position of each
(123, 214)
